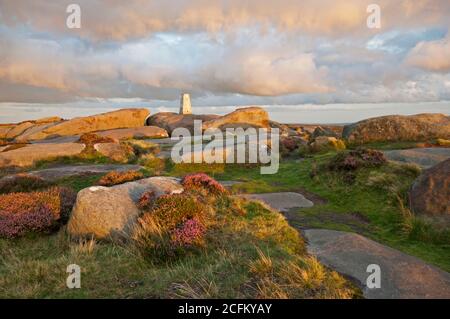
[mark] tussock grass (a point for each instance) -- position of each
(227, 267)
(372, 193)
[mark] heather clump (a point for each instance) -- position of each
(355, 159)
(40, 211)
(203, 181)
(22, 183)
(171, 225)
(116, 178)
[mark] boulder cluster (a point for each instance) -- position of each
(25, 144)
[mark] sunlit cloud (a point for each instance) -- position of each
(224, 52)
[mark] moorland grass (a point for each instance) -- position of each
(251, 255)
(227, 267)
(373, 194)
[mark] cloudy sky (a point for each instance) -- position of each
(304, 60)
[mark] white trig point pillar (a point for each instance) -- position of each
(185, 104)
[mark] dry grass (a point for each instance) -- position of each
(200, 288)
(141, 147)
(153, 164)
(303, 277)
(417, 228)
(83, 246)
(250, 251)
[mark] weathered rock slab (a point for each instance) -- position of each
(124, 118)
(282, 202)
(18, 129)
(4, 129)
(138, 132)
(402, 276)
(171, 121)
(30, 131)
(28, 155)
(116, 152)
(243, 117)
(111, 212)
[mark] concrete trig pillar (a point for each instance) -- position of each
(185, 104)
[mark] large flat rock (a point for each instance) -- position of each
(419, 127)
(28, 155)
(424, 157)
(282, 202)
(402, 276)
(124, 118)
(170, 121)
(243, 117)
(138, 132)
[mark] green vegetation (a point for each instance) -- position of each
(371, 202)
(250, 252)
(84, 158)
(400, 145)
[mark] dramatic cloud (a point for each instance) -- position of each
(120, 20)
(223, 52)
(432, 55)
(195, 64)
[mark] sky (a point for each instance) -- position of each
(304, 61)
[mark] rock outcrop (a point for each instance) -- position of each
(111, 212)
(125, 118)
(284, 130)
(4, 129)
(399, 128)
(244, 117)
(50, 119)
(28, 155)
(323, 143)
(430, 193)
(138, 132)
(170, 121)
(36, 128)
(324, 131)
(11, 131)
(114, 151)
(18, 129)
